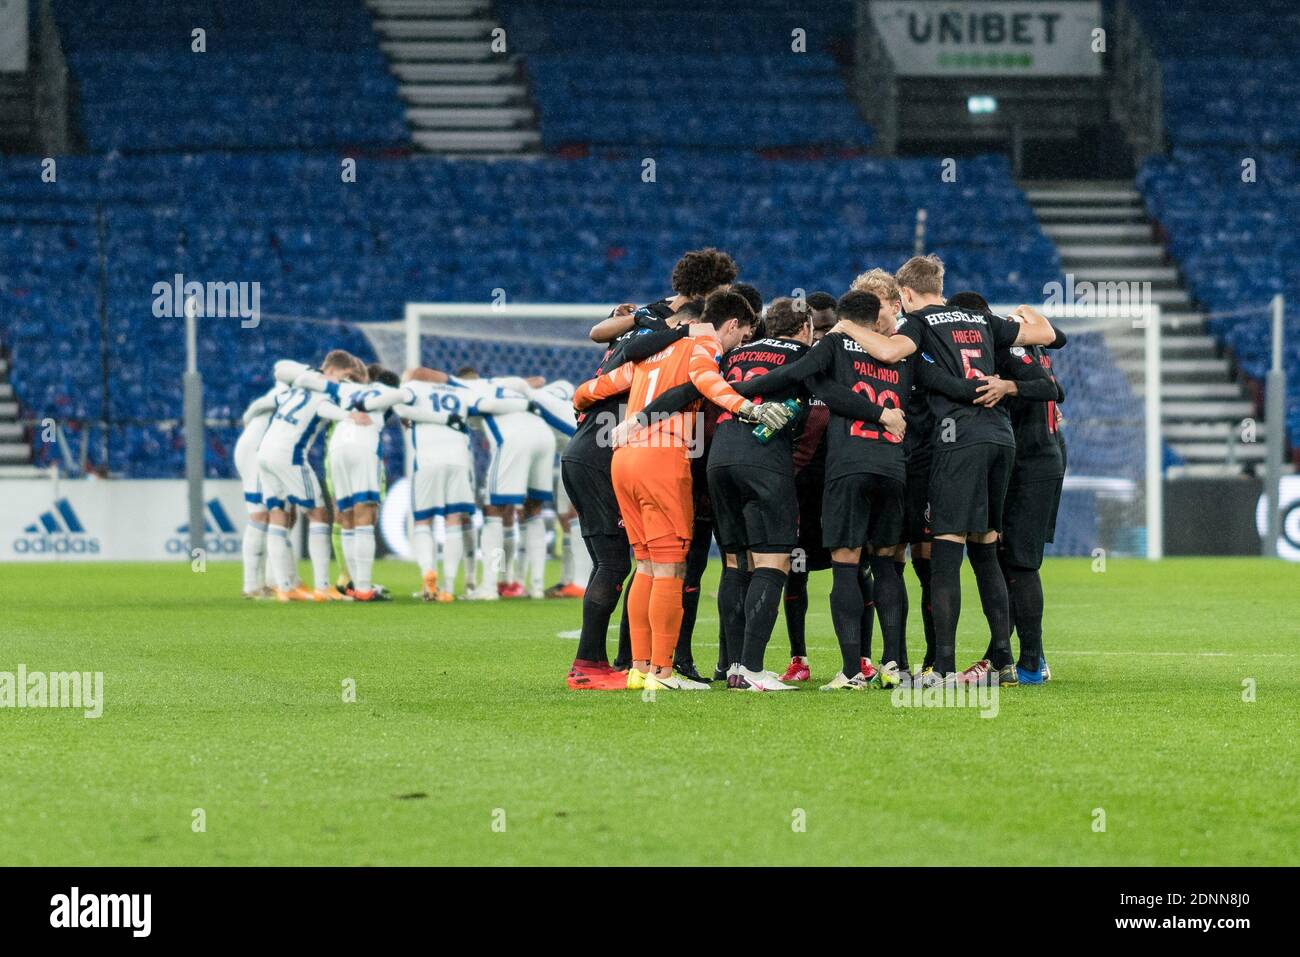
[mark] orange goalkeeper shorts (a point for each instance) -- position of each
(653, 487)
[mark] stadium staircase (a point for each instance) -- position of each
(14, 449)
(1103, 234)
(461, 98)
(16, 117)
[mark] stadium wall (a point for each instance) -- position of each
(132, 520)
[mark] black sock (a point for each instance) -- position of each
(904, 605)
(1011, 599)
(922, 568)
(846, 614)
(624, 659)
(731, 610)
(609, 566)
(796, 612)
(868, 623)
(762, 602)
(888, 602)
(993, 598)
(697, 560)
(1026, 593)
(945, 592)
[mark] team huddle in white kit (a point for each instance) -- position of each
(524, 422)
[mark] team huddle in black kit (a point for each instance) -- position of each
(918, 427)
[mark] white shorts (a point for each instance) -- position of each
(522, 467)
(246, 466)
(284, 483)
(444, 486)
(355, 475)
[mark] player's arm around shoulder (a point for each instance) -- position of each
(1034, 329)
(614, 382)
(887, 349)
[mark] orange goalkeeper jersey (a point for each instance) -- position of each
(692, 360)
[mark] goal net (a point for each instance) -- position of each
(1111, 504)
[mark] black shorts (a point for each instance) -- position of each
(862, 509)
(916, 498)
(968, 487)
(1030, 521)
(814, 555)
(753, 509)
(592, 493)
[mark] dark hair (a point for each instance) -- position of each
(820, 300)
(858, 306)
(378, 373)
(701, 271)
(784, 320)
(970, 301)
(751, 295)
(724, 305)
(465, 371)
(691, 308)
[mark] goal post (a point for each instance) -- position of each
(1111, 371)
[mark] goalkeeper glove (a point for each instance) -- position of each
(774, 415)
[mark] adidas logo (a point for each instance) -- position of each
(220, 535)
(58, 531)
(217, 516)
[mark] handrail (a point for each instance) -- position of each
(1137, 93)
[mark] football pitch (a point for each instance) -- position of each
(1168, 735)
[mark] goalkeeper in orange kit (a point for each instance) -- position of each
(652, 476)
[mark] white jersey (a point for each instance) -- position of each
(439, 418)
(502, 410)
(554, 403)
(299, 418)
(257, 418)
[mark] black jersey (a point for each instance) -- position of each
(855, 445)
(733, 441)
(589, 445)
(1034, 420)
(965, 344)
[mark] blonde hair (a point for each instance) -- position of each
(878, 282)
(922, 274)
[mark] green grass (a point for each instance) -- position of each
(236, 708)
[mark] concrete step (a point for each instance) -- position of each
(477, 141)
(6, 392)
(1209, 432)
(428, 8)
(1112, 251)
(1090, 214)
(466, 94)
(1219, 451)
(1100, 232)
(440, 51)
(8, 410)
(470, 118)
(1233, 410)
(1126, 273)
(1172, 369)
(1215, 470)
(1211, 391)
(1111, 195)
(15, 453)
(11, 432)
(474, 73)
(412, 29)
(1172, 346)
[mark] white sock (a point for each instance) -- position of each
(254, 555)
(451, 552)
(422, 545)
(581, 557)
(566, 553)
(535, 552)
(469, 539)
(295, 580)
(318, 549)
(510, 543)
(280, 557)
(491, 551)
(350, 553)
(364, 546)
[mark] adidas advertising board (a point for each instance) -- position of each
(99, 520)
